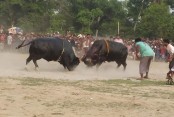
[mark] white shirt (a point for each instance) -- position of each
(170, 49)
(119, 40)
(9, 40)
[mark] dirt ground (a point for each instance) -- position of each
(108, 91)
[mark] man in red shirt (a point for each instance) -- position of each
(2, 41)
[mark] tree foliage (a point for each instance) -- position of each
(156, 22)
(148, 18)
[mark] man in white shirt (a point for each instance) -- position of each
(9, 41)
(170, 50)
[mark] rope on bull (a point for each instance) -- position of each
(61, 52)
(107, 46)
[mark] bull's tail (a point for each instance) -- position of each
(21, 45)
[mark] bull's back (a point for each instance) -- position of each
(47, 48)
(117, 52)
(118, 48)
(46, 44)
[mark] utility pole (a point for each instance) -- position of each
(138, 16)
(96, 33)
(118, 33)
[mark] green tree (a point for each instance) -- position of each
(93, 15)
(86, 18)
(156, 22)
(10, 11)
(34, 15)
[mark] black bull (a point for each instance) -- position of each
(105, 50)
(52, 49)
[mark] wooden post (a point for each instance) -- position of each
(118, 33)
(96, 33)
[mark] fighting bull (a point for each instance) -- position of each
(51, 49)
(105, 50)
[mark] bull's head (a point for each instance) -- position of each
(91, 58)
(74, 63)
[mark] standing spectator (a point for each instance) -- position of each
(87, 42)
(146, 54)
(2, 41)
(170, 50)
(157, 52)
(9, 41)
(118, 39)
(162, 52)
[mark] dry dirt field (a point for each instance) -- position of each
(106, 92)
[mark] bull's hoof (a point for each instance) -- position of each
(36, 68)
(26, 68)
(70, 68)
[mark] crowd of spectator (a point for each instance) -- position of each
(81, 42)
(9, 41)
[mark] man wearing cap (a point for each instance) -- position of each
(146, 56)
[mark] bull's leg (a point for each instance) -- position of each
(67, 63)
(62, 63)
(36, 65)
(124, 65)
(121, 63)
(98, 65)
(27, 61)
(118, 64)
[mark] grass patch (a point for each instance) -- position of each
(108, 86)
(39, 82)
(119, 82)
(117, 86)
(2, 80)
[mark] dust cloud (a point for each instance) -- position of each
(13, 65)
